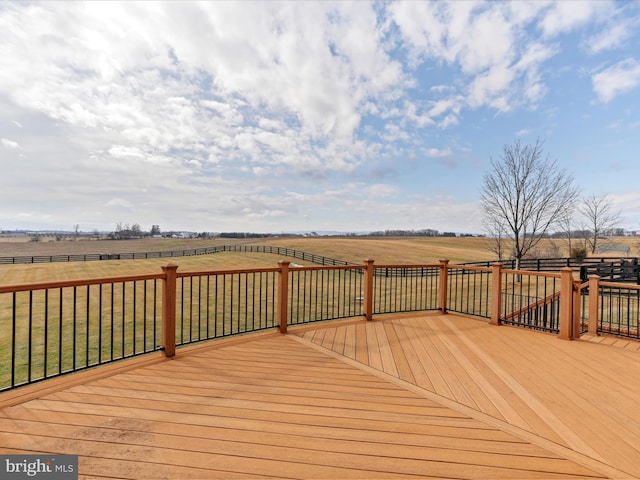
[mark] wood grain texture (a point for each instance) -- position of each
(424, 397)
(580, 395)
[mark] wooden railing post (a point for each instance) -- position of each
(577, 310)
(594, 303)
(169, 310)
(368, 289)
(566, 303)
(496, 293)
(283, 295)
(444, 285)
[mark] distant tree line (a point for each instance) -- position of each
(611, 232)
(245, 235)
(427, 232)
(129, 232)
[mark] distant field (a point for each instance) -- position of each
(396, 250)
(386, 249)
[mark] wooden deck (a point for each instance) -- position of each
(429, 396)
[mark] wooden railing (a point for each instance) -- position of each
(48, 329)
(612, 308)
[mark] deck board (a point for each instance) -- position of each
(579, 395)
(422, 397)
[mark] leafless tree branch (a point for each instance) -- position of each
(526, 193)
(600, 217)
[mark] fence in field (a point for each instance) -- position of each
(555, 264)
(624, 270)
(621, 270)
(49, 329)
(91, 257)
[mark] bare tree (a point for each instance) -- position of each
(527, 193)
(600, 217)
(498, 237)
(568, 232)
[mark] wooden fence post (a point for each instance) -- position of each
(566, 303)
(368, 289)
(444, 285)
(496, 293)
(594, 303)
(169, 310)
(283, 295)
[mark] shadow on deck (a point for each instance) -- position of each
(426, 396)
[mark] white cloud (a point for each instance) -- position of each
(121, 151)
(438, 153)
(10, 144)
(270, 109)
(485, 42)
(490, 43)
(394, 133)
(612, 37)
(564, 16)
(492, 88)
(119, 202)
(617, 79)
(134, 72)
(380, 191)
(421, 119)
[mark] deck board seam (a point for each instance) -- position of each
(573, 440)
(568, 453)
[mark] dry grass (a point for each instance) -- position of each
(384, 250)
(410, 250)
(45, 272)
(354, 249)
(393, 250)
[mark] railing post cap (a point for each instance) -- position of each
(446, 260)
(369, 260)
(283, 262)
(497, 264)
(566, 269)
(170, 266)
(594, 276)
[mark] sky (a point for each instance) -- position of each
(306, 116)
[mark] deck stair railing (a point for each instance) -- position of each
(49, 329)
(542, 314)
(536, 300)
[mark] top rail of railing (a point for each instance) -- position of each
(25, 287)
